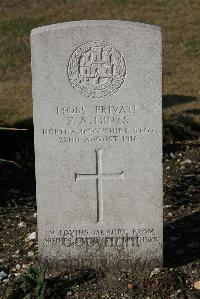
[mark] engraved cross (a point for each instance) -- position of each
(99, 176)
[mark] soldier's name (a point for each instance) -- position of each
(97, 109)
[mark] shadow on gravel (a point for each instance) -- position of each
(180, 126)
(182, 241)
(17, 183)
(174, 99)
(179, 129)
(186, 192)
(59, 285)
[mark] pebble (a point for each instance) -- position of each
(21, 224)
(155, 271)
(30, 254)
(197, 284)
(15, 255)
(24, 266)
(186, 161)
(130, 286)
(167, 206)
(168, 167)
(17, 274)
(31, 236)
(35, 215)
(18, 267)
(3, 275)
(69, 293)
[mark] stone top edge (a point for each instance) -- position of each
(67, 25)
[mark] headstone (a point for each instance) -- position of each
(98, 144)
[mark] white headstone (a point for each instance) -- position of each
(98, 144)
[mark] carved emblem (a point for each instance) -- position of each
(96, 69)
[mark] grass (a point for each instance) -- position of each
(29, 285)
(140, 2)
(12, 57)
(121, 2)
(16, 48)
(20, 26)
(192, 46)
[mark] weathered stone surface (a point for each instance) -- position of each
(98, 144)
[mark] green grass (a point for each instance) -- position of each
(121, 2)
(20, 25)
(192, 47)
(140, 2)
(12, 55)
(31, 285)
(15, 46)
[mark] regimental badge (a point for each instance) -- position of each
(96, 69)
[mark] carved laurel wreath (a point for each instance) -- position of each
(102, 90)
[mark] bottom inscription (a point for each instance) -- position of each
(117, 238)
